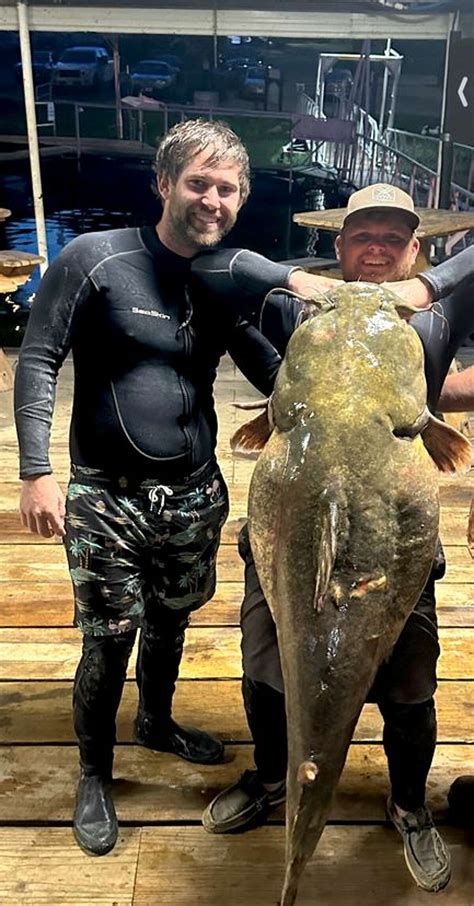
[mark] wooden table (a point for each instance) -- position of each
(15, 269)
(433, 223)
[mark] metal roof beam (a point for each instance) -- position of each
(284, 24)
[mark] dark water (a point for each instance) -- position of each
(109, 194)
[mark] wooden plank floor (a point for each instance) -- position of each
(163, 855)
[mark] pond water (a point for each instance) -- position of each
(108, 194)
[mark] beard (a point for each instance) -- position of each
(394, 270)
(400, 271)
(185, 226)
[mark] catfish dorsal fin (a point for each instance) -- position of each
(250, 439)
(448, 448)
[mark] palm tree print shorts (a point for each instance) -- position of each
(135, 548)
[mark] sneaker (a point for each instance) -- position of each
(242, 805)
(426, 855)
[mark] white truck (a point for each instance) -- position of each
(83, 66)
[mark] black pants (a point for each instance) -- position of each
(100, 678)
(403, 689)
(409, 739)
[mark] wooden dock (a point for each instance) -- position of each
(57, 146)
(163, 856)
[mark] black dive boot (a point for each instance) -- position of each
(98, 689)
(158, 663)
(95, 823)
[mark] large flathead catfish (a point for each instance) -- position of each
(343, 519)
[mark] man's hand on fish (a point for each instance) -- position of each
(415, 292)
(310, 285)
(42, 506)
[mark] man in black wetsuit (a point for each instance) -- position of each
(146, 501)
(377, 244)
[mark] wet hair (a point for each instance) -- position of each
(178, 147)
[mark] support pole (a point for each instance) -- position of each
(443, 148)
(214, 35)
(386, 76)
(77, 125)
(446, 171)
(29, 92)
(118, 99)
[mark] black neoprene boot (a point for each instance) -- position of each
(158, 661)
(95, 822)
(189, 743)
(98, 685)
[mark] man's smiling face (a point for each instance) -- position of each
(377, 247)
(201, 207)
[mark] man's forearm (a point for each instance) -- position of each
(457, 394)
(46, 344)
(34, 404)
(455, 273)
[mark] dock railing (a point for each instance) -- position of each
(399, 157)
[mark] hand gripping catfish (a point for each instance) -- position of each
(343, 520)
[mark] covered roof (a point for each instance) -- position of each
(287, 18)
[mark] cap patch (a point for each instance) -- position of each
(383, 193)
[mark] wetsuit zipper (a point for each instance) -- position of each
(185, 328)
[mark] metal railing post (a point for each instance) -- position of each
(446, 171)
(77, 125)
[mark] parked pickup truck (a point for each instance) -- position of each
(84, 66)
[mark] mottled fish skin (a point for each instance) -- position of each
(343, 519)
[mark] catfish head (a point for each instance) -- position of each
(376, 340)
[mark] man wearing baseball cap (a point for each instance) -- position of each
(377, 244)
(382, 197)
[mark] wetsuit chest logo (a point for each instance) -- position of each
(151, 313)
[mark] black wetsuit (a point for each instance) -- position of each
(146, 337)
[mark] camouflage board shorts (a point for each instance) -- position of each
(133, 549)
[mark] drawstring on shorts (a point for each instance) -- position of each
(159, 492)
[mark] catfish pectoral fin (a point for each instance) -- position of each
(250, 439)
(448, 448)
